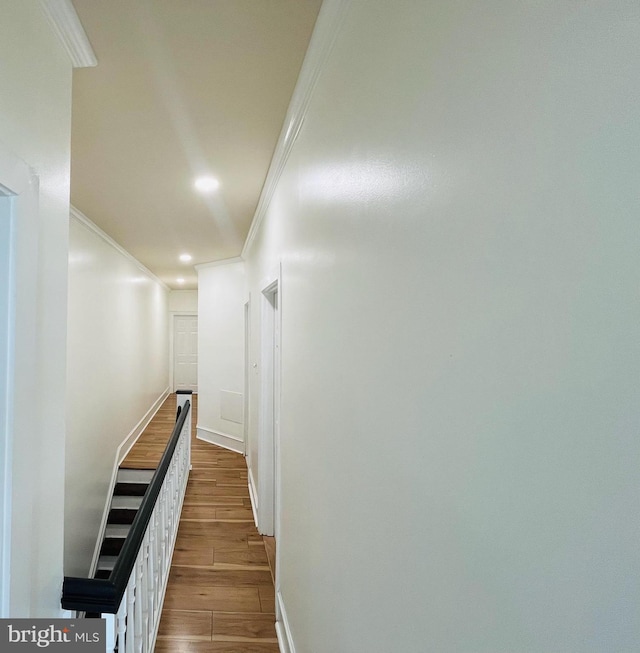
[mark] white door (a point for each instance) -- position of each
(185, 352)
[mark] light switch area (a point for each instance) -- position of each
(231, 406)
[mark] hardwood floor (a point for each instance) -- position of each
(220, 596)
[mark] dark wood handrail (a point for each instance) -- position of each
(105, 595)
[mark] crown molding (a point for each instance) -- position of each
(83, 220)
(213, 264)
(330, 19)
(67, 26)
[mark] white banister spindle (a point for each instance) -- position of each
(130, 615)
(144, 589)
(151, 577)
(122, 623)
(158, 564)
(111, 631)
(138, 621)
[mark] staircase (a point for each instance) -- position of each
(131, 484)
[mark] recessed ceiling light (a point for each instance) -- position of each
(206, 184)
(180, 280)
(185, 258)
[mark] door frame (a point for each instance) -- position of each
(172, 354)
(247, 373)
(270, 386)
(20, 185)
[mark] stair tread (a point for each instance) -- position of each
(106, 563)
(117, 530)
(125, 502)
(135, 475)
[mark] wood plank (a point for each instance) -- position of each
(234, 513)
(203, 489)
(248, 556)
(196, 577)
(219, 599)
(186, 624)
(218, 527)
(185, 554)
(198, 512)
(267, 599)
(182, 646)
(236, 502)
(256, 625)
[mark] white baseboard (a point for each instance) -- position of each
(127, 444)
(285, 640)
(121, 453)
(224, 440)
(253, 495)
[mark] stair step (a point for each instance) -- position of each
(135, 475)
(130, 489)
(106, 563)
(117, 530)
(111, 546)
(124, 502)
(103, 574)
(121, 516)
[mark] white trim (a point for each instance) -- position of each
(83, 220)
(330, 18)
(121, 453)
(213, 264)
(283, 630)
(246, 310)
(253, 495)
(68, 28)
(268, 428)
(17, 180)
(224, 440)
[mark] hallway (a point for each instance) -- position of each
(220, 595)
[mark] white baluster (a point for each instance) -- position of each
(121, 622)
(130, 616)
(157, 585)
(138, 605)
(111, 631)
(151, 561)
(144, 590)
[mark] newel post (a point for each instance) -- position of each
(182, 397)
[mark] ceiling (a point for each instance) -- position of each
(183, 88)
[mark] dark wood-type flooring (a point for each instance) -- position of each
(220, 596)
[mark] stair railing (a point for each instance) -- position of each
(131, 599)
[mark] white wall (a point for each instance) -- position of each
(457, 224)
(35, 115)
(118, 369)
(183, 301)
(221, 296)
